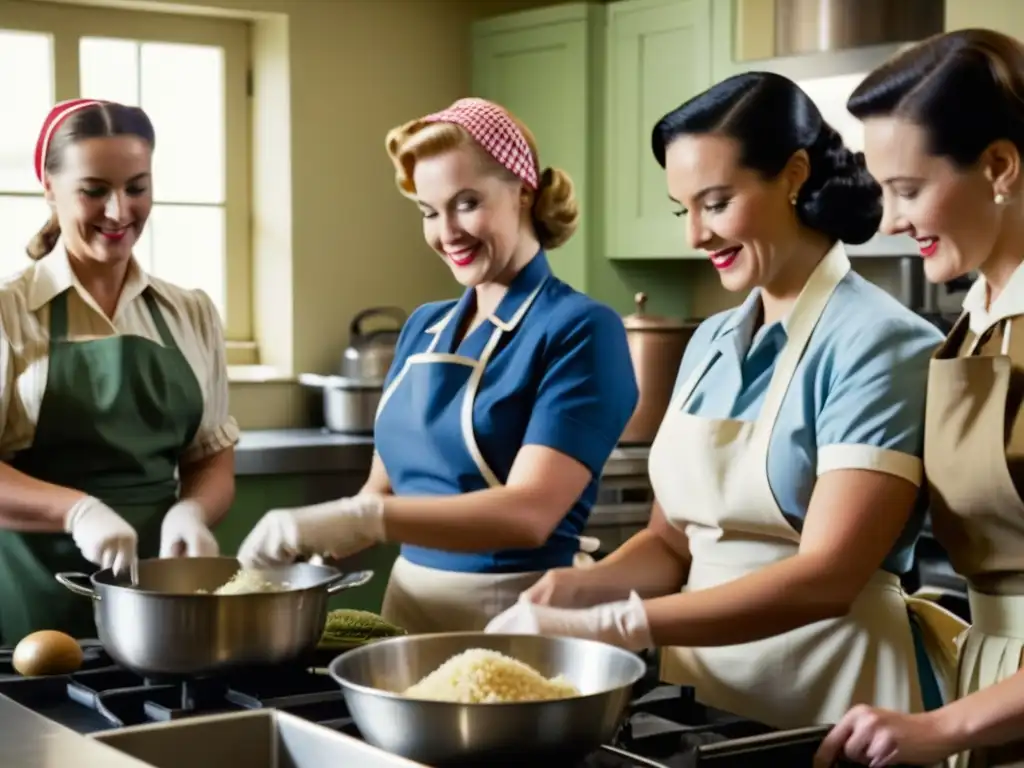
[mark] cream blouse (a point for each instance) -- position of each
(25, 336)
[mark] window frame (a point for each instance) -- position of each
(67, 24)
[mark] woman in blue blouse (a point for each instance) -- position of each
(786, 471)
(501, 408)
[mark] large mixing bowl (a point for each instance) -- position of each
(444, 733)
(161, 626)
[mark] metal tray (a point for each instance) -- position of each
(255, 739)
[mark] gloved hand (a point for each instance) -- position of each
(184, 532)
(337, 528)
(103, 536)
(622, 623)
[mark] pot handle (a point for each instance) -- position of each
(355, 330)
(78, 589)
(348, 581)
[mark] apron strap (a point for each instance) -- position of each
(158, 319)
(59, 317)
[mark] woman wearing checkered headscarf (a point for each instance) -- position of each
(502, 406)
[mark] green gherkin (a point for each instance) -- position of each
(349, 627)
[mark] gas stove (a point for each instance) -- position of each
(666, 726)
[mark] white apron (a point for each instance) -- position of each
(427, 390)
(710, 477)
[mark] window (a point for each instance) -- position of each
(190, 75)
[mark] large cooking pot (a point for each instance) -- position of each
(350, 400)
(444, 733)
(656, 346)
(163, 627)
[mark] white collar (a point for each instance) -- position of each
(1009, 303)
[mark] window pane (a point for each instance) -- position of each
(20, 219)
(109, 69)
(26, 97)
(183, 93)
(189, 248)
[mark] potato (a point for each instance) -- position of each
(47, 652)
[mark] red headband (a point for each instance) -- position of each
(496, 132)
(57, 115)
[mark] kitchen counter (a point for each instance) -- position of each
(287, 451)
(312, 450)
(31, 741)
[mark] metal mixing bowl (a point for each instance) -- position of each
(444, 733)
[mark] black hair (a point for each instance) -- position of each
(964, 88)
(772, 118)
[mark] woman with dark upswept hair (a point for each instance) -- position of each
(944, 135)
(786, 470)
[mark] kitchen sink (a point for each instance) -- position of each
(255, 739)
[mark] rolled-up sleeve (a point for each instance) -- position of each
(218, 430)
(588, 389)
(873, 415)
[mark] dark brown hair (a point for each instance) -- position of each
(98, 121)
(964, 88)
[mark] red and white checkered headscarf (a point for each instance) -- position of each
(496, 132)
(57, 115)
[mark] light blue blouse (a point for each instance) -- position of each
(856, 399)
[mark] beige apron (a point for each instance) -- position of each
(977, 514)
(710, 477)
(422, 599)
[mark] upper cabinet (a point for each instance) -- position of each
(658, 56)
(537, 65)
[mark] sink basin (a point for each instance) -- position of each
(256, 739)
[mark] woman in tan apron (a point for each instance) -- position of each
(114, 385)
(944, 132)
(786, 468)
(501, 408)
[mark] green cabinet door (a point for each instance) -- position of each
(536, 65)
(659, 55)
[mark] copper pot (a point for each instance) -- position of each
(656, 346)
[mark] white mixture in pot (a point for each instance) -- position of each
(247, 582)
(479, 676)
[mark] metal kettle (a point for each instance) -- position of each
(369, 354)
(656, 346)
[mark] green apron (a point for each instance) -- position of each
(116, 415)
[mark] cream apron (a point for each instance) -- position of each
(428, 410)
(977, 514)
(710, 477)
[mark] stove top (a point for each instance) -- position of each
(666, 726)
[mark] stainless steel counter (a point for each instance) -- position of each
(28, 740)
(286, 451)
(313, 450)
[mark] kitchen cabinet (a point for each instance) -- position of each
(659, 55)
(538, 65)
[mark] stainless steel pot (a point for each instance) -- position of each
(163, 627)
(443, 733)
(350, 405)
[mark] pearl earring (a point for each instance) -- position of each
(792, 200)
(1000, 198)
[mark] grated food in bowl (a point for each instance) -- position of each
(479, 676)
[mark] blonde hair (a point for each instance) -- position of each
(554, 211)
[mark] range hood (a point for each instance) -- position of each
(822, 26)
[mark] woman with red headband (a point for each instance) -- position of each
(112, 384)
(501, 408)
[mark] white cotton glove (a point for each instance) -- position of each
(184, 532)
(103, 536)
(337, 528)
(623, 623)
